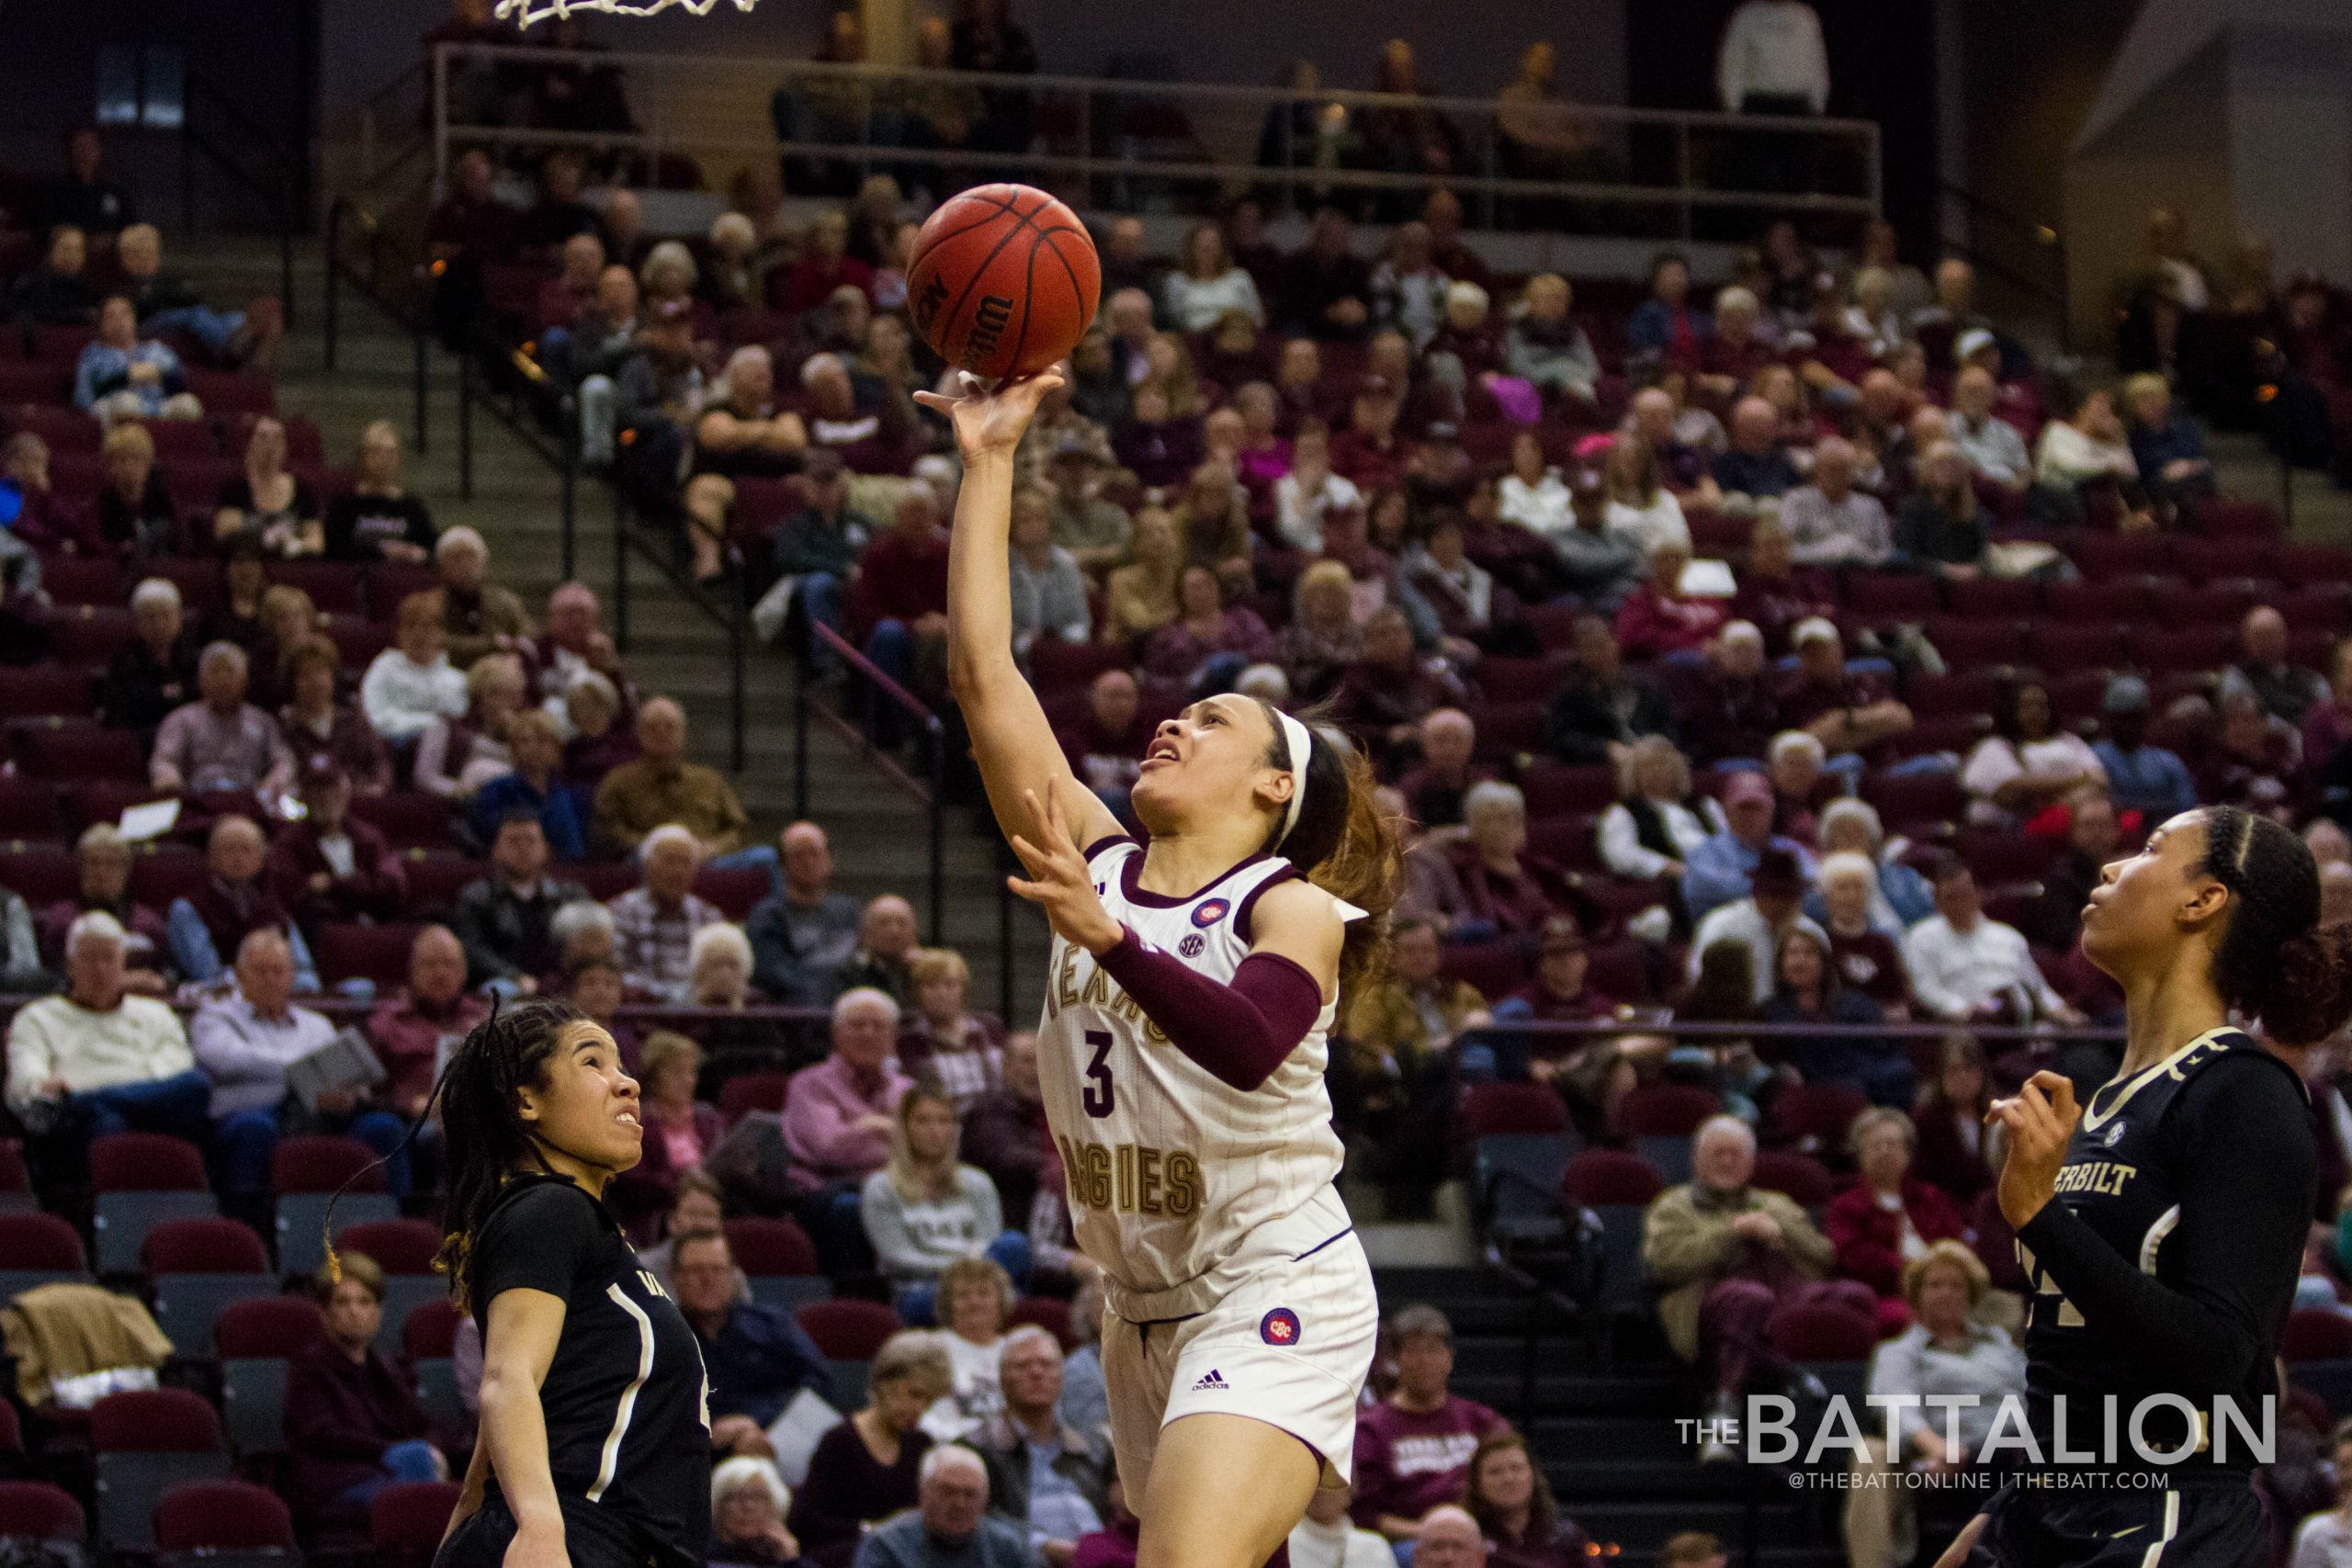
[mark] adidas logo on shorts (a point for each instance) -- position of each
(1210, 1381)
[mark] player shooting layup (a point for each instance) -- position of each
(1182, 1054)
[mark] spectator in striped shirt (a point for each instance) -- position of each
(654, 922)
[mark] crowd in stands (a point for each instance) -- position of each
(1750, 667)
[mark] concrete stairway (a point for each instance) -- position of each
(880, 835)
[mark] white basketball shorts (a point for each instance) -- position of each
(1290, 1346)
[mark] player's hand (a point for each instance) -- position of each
(2040, 1119)
(1956, 1554)
(991, 421)
(1058, 880)
(538, 1547)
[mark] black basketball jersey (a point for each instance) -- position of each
(2131, 1151)
(626, 1404)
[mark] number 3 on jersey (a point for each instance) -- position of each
(1096, 1096)
(2044, 1288)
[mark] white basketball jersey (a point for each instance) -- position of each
(1179, 1183)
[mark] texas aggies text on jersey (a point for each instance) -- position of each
(1180, 1184)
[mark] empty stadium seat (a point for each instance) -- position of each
(429, 1342)
(306, 1173)
(406, 1520)
(212, 1516)
(145, 1443)
(778, 1261)
(350, 951)
(1556, 789)
(1488, 1109)
(38, 1248)
(40, 874)
(195, 1268)
(1799, 1178)
(1814, 1117)
(38, 1511)
(141, 1180)
(1816, 1333)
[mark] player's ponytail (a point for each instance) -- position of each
(2275, 962)
(1341, 842)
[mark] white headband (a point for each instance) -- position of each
(1301, 749)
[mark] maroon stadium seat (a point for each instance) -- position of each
(40, 874)
(2178, 603)
(65, 429)
(430, 1332)
(410, 1517)
(2316, 1334)
(41, 691)
(1826, 1332)
(2164, 650)
(268, 1328)
(2061, 646)
(399, 1246)
(1046, 1313)
(38, 1511)
(1875, 598)
(846, 1330)
(1488, 1109)
(1993, 598)
(91, 634)
(1800, 1178)
(1666, 1109)
(165, 871)
(222, 1516)
(348, 951)
(1493, 969)
(333, 586)
(746, 1092)
(734, 888)
(231, 392)
(771, 1246)
(1814, 1116)
(1610, 1178)
(409, 819)
(203, 1246)
(63, 751)
(146, 1162)
(2214, 559)
(1555, 789)
(2120, 555)
(40, 1243)
(81, 580)
(158, 1420)
(2305, 564)
(1967, 644)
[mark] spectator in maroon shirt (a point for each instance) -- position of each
(824, 266)
(102, 861)
(599, 742)
(1326, 288)
(1369, 453)
(1774, 592)
(573, 289)
(1105, 746)
(899, 601)
(330, 867)
(353, 1422)
(1657, 617)
(1951, 1140)
(1730, 358)
(472, 221)
(1731, 704)
(408, 1031)
(1843, 709)
(1413, 1448)
(1508, 890)
(1881, 1220)
(1434, 789)
(1384, 696)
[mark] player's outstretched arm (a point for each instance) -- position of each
(1014, 745)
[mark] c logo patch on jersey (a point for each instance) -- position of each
(1210, 913)
(1280, 1328)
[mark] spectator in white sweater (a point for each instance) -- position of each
(1773, 59)
(1049, 590)
(1310, 491)
(926, 1209)
(1208, 284)
(412, 683)
(1967, 967)
(98, 1060)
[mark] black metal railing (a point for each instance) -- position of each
(913, 711)
(2030, 256)
(264, 164)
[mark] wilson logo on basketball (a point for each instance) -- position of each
(994, 314)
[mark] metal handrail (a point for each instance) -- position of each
(1100, 153)
(935, 731)
(281, 188)
(2039, 238)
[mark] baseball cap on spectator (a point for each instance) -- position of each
(2125, 693)
(1971, 343)
(1777, 873)
(1747, 787)
(1813, 628)
(1594, 449)
(1560, 934)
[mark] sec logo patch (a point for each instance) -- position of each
(1210, 913)
(1191, 945)
(1280, 1327)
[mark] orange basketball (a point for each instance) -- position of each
(1003, 280)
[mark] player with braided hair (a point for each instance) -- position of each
(595, 1414)
(2161, 1223)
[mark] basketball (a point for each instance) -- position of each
(1003, 281)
